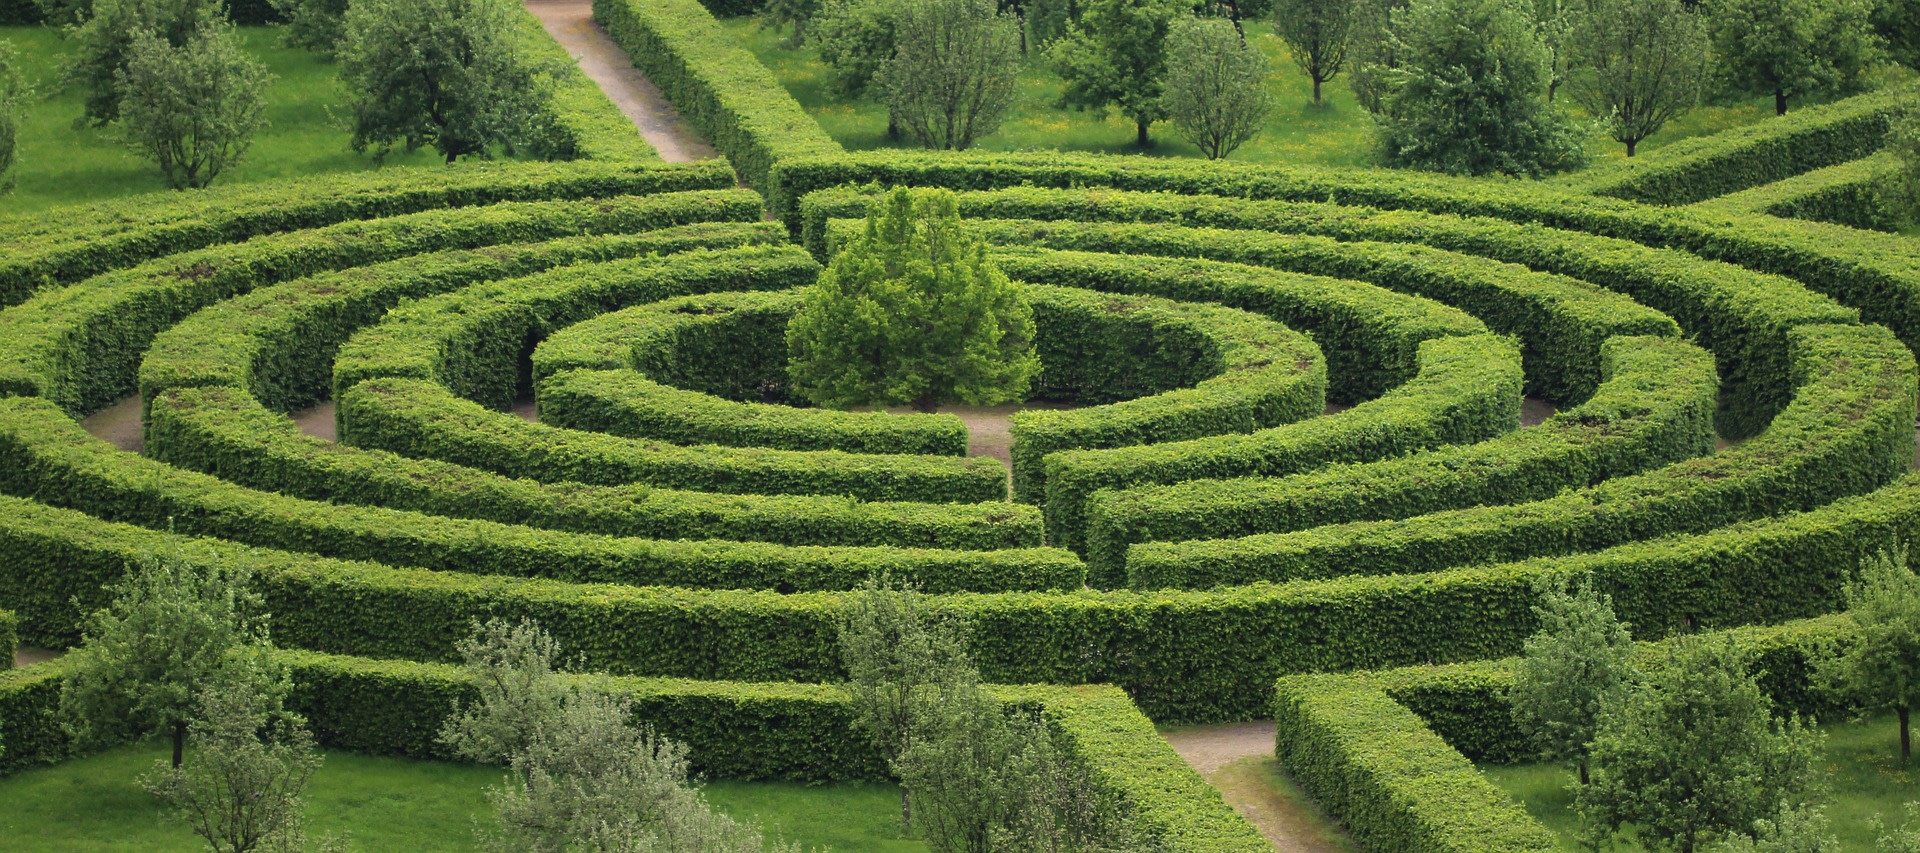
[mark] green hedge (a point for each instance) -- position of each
(422, 419)
(1760, 153)
(42, 251)
(31, 730)
(47, 457)
(720, 88)
(1654, 408)
(1847, 194)
(580, 122)
(9, 637)
(1468, 391)
(692, 370)
(80, 345)
(220, 431)
(1848, 431)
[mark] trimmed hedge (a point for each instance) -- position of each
(80, 345)
(1468, 391)
(1701, 168)
(1654, 408)
(1848, 431)
(1847, 194)
(580, 122)
(42, 251)
(31, 729)
(691, 370)
(9, 637)
(220, 431)
(422, 419)
(720, 88)
(47, 457)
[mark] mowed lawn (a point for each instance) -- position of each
(62, 162)
(1863, 759)
(95, 804)
(1337, 132)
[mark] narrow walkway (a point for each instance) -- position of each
(1238, 760)
(570, 22)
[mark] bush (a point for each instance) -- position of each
(193, 107)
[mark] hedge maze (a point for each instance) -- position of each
(1294, 450)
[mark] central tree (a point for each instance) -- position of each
(911, 311)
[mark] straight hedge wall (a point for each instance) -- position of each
(1847, 194)
(9, 637)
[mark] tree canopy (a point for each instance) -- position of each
(1648, 61)
(192, 108)
(1216, 93)
(1788, 48)
(953, 69)
(1569, 671)
(1317, 33)
(1880, 667)
(1117, 57)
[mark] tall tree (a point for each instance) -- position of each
(1898, 23)
(453, 75)
(1558, 19)
(13, 95)
(173, 625)
(1469, 97)
(1118, 58)
(855, 38)
(911, 311)
(1788, 48)
(1650, 61)
(192, 109)
(1578, 662)
(953, 70)
(1317, 33)
(1216, 94)
(1900, 192)
(104, 41)
(1695, 753)
(1880, 667)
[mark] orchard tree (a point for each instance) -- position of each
(13, 95)
(1695, 753)
(453, 75)
(1373, 54)
(1318, 33)
(1649, 61)
(1880, 667)
(316, 25)
(103, 43)
(1469, 97)
(1578, 662)
(1788, 48)
(1558, 21)
(1900, 191)
(953, 70)
(1118, 58)
(1216, 94)
(173, 626)
(911, 311)
(192, 109)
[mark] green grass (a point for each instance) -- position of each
(1863, 759)
(61, 163)
(1335, 133)
(93, 804)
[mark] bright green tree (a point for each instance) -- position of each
(1880, 667)
(453, 75)
(1695, 753)
(13, 95)
(1317, 33)
(1900, 192)
(1648, 62)
(102, 44)
(1373, 54)
(911, 311)
(1118, 58)
(192, 109)
(953, 69)
(1789, 48)
(1216, 93)
(1578, 662)
(1469, 97)
(143, 662)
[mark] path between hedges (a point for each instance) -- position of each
(570, 22)
(1238, 760)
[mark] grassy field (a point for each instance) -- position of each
(1335, 133)
(1863, 759)
(93, 804)
(61, 163)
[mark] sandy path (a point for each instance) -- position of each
(570, 22)
(118, 425)
(25, 656)
(1238, 760)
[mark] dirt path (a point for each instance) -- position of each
(570, 22)
(118, 425)
(26, 656)
(1238, 760)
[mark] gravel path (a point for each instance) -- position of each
(1238, 760)
(570, 22)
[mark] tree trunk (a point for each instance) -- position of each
(1553, 86)
(1140, 137)
(906, 812)
(1583, 774)
(1316, 90)
(1779, 102)
(893, 127)
(179, 742)
(1630, 145)
(1906, 741)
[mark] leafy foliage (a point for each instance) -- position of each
(1318, 34)
(104, 42)
(1118, 57)
(954, 64)
(912, 311)
(14, 92)
(317, 25)
(1796, 829)
(1904, 838)
(1649, 62)
(192, 108)
(1901, 190)
(1216, 90)
(1570, 671)
(1789, 48)
(1880, 667)
(1373, 53)
(855, 39)
(511, 667)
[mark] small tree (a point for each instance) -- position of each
(13, 94)
(317, 25)
(451, 74)
(252, 760)
(1796, 829)
(1788, 48)
(1118, 58)
(1695, 753)
(1880, 667)
(1317, 32)
(511, 667)
(956, 766)
(1578, 663)
(1900, 192)
(192, 109)
(912, 311)
(953, 70)
(855, 38)
(144, 661)
(103, 43)
(1558, 20)
(1650, 62)
(1468, 98)
(1216, 86)
(1373, 54)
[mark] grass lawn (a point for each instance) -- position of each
(94, 804)
(1336, 133)
(63, 164)
(1863, 759)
